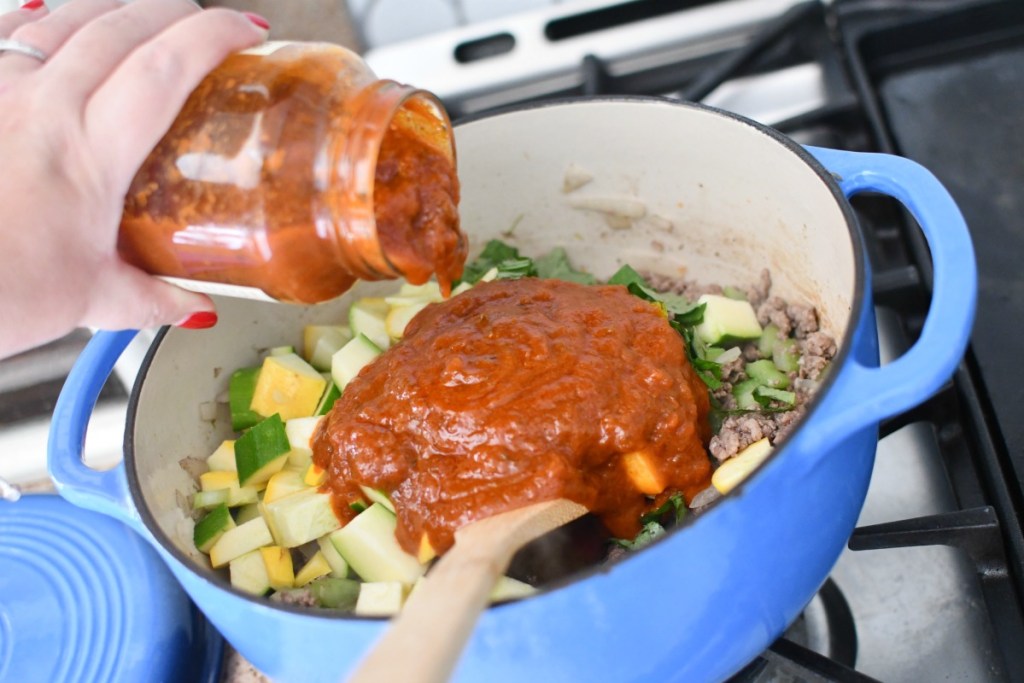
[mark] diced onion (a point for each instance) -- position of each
(728, 356)
(207, 411)
(575, 177)
(705, 497)
(624, 207)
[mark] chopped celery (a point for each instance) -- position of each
(335, 593)
(786, 355)
(744, 394)
(769, 336)
(734, 293)
(766, 373)
(765, 395)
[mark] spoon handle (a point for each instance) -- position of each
(425, 640)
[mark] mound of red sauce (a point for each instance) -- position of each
(519, 391)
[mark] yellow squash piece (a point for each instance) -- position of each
(223, 459)
(426, 551)
(283, 483)
(643, 472)
(222, 480)
(315, 475)
(238, 541)
(314, 569)
(737, 468)
(288, 386)
(248, 573)
(278, 562)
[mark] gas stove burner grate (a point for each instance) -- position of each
(821, 647)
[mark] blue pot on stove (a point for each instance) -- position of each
(705, 599)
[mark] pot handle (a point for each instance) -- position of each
(873, 393)
(103, 491)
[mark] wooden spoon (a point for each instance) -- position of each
(426, 638)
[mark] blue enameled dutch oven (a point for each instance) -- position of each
(722, 198)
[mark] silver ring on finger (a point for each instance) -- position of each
(8, 45)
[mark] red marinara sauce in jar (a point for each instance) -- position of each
(294, 170)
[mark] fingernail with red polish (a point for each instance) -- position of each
(258, 20)
(199, 321)
(33, 4)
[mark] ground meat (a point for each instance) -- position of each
(301, 597)
(794, 320)
(803, 318)
(759, 291)
(773, 312)
(739, 431)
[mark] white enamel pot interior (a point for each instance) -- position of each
(720, 200)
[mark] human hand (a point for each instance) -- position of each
(74, 129)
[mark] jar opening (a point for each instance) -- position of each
(400, 162)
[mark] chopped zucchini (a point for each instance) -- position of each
(278, 564)
(287, 386)
(339, 567)
(336, 593)
(331, 394)
(239, 541)
(369, 546)
(283, 483)
(223, 459)
(246, 512)
(281, 351)
(322, 342)
(209, 499)
(727, 320)
(210, 528)
(366, 317)
(228, 481)
(430, 291)
(380, 599)
(352, 357)
(316, 567)
(262, 451)
(378, 496)
(241, 387)
(249, 574)
(300, 517)
(300, 437)
(400, 316)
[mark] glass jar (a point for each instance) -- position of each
(294, 170)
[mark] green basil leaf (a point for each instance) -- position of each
(555, 265)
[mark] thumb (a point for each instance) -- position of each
(127, 298)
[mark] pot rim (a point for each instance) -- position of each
(843, 351)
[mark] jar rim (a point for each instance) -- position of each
(376, 107)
